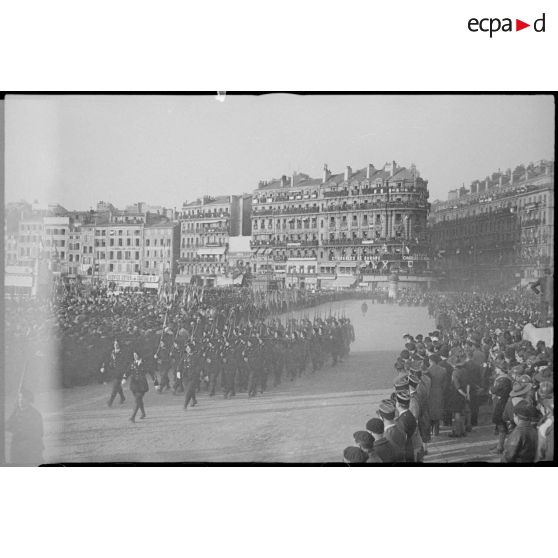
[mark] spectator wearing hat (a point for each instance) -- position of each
(384, 449)
(438, 379)
(474, 379)
(545, 429)
(419, 407)
(519, 392)
(458, 395)
(521, 444)
(446, 409)
(354, 455)
(500, 391)
(365, 441)
(26, 426)
(392, 431)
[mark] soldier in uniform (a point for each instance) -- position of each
(229, 369)
(138, 383)
(279, 352)
(291, 356)
(162, 356)
(190, 372)
(175, 356)
(253, 364)
(115, 364)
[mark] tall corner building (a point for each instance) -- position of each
(206, 226)
(498, 231)
(340, 229)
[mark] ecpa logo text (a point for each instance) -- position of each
(494, 24)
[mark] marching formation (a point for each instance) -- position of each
(204, 353)
(477, 359)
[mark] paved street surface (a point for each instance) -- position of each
(309, 420)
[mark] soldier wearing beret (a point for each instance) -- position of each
(162, 356)
(190, 368)
(115, 365)
(138, 383)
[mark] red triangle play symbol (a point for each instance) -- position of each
(519, 25)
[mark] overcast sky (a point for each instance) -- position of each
(164, 150)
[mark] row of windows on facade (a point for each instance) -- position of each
(354, 235)
(299, 223)
(196, 241)
(339, 206)
(473, 229)
(193, 213)
(120, 232)
(520, 203)
(187, 226)
(354, 187)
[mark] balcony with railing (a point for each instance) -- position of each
(335, 193)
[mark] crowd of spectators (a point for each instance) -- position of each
(476, 358)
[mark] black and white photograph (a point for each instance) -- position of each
(278, 278)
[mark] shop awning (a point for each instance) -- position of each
(211, 250)
(342, 282)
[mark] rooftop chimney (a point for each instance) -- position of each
(283, 181)
(293, 179)
(348, 172)
(393, 168)
(474, 187)
(327, 174)
(370, 171)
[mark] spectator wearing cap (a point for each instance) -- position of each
(545, 429)
(446, 409)
(365, 441)
(417, 407)
(438, 379)
(521, 444)
(500, 390)
(459, 395)
(384, 449)
(474, 379)
(519, 392)
(509, 356)
(354, 455)
(408, 424)
(392, 431)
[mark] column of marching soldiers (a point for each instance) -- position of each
(211, 353)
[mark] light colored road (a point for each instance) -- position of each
(309, 420)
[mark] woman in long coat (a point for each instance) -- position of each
(438, 387)
(138, 383)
